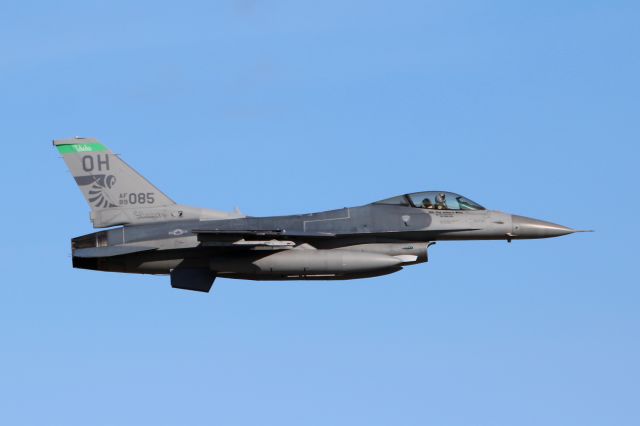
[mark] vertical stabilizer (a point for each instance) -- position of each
(117, 194)
(105, 180)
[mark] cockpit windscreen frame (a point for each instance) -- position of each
(433, 200)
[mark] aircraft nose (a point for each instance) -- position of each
(526, 227)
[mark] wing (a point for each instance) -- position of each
(256, 239)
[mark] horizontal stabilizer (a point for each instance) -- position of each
(110, 251)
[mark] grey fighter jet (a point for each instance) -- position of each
(151, 234)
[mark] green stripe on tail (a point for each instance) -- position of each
(81, 148)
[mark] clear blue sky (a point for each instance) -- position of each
(295, 106)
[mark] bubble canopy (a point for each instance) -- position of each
(433, 200)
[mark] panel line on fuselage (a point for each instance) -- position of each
(348, 216)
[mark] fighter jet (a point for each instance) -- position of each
(151, 234)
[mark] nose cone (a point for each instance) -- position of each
(525, 227)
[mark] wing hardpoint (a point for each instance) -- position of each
(105, 180)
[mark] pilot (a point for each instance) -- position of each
(427, 204)
(441, 202)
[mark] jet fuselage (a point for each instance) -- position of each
(151, 234)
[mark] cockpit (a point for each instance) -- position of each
(433, 200)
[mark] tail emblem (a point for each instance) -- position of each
(99, 183)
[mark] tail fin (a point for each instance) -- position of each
(117, 194)
(105, 180)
